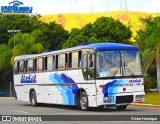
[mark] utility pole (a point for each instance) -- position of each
(107, 9)
(91, 7)
(13, 31)
(123, 11)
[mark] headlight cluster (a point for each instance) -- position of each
(108, 98)
(140, 96)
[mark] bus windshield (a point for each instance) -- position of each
(118, 63)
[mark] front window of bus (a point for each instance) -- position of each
(118, 63)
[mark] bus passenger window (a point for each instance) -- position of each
(61, 61)
(30, 65)
(75, 60)
(66, 61)
(49, 62)
(35, 64)
(16, 67)
(70, 60)
(54, 63)
(45, 63)
(40, 64)
(79, 58)
(26, 65)
(21, 69)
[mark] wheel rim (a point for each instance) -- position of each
(83, 102)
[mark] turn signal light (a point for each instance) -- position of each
(101, 86)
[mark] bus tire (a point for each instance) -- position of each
(33, 99)
(83, 101)
(121, 107)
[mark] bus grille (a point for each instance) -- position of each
(124, 99)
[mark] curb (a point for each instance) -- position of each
(145, 105)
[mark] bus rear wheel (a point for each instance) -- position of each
(121, 107)
(83, 102)
(33, 99)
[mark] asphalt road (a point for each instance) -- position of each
(10, 106)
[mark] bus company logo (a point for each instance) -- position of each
(135, 81)
(16, 7)
(28, 79)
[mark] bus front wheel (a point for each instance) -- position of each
(83, 102)
(34, 99)
(121, 107)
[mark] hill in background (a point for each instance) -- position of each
(78, 20)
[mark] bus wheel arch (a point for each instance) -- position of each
(33, 97)
(82, 99)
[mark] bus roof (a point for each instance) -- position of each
(94, 46)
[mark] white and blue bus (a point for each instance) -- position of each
(89, 75)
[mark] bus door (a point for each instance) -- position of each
(88, 67)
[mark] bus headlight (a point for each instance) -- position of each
(140, 96)
(109, 98)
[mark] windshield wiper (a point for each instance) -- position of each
(128, 69)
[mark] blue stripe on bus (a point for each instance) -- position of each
(68, 92)
(110, 89)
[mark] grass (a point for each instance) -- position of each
(152, 98)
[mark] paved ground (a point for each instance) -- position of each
(10, 106)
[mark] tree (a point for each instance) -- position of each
(25, 23)
(5, 66)
(26, 43)
(5, 55)
(55, 35)
(148, 38)
(104, 29)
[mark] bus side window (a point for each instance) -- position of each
(21, 69)
(26, 66)
(79, 58)
(48, 63)
(66, 61)
(54, 63)
(75, 60)
(45, 63)
(61, 61)
(40, 64)
(70, 60)
(35, 64)
(30, 65)
(16, 67)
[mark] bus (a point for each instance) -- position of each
(88, 75)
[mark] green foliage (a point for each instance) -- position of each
(25, 23)
(148, 83)
(26, 43)
(54, 35)
(147, 58)
(104, 29)
(148, 39)
(34, 37)
(5, 55)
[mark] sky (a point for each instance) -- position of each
(46, 7)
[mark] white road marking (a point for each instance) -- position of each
(20, 111)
